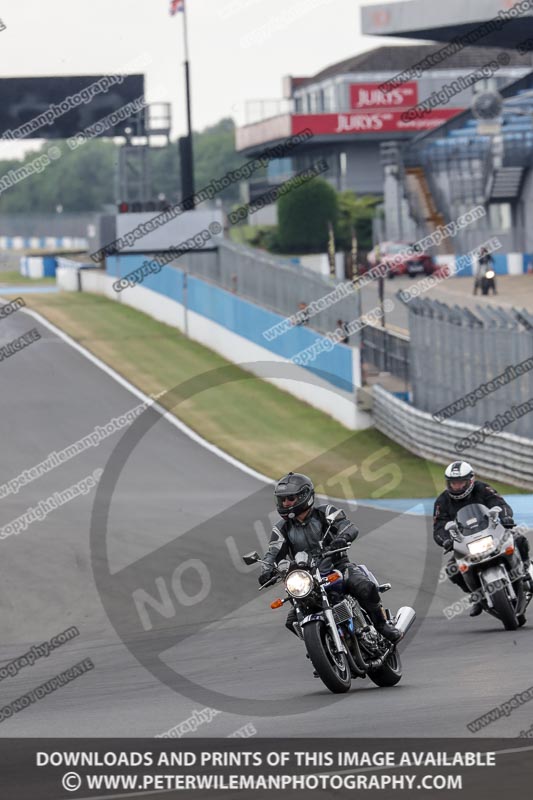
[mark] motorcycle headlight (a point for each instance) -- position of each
(299, 583)
(481, 546)
(489, 274)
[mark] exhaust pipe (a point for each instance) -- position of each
(404, 619)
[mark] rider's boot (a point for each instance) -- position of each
(382, 625)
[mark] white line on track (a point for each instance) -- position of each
(141, 395)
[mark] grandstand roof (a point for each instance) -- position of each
(395, 58)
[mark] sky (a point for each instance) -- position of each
(239, 50)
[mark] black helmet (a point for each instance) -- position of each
(463, 472)
(298, 486)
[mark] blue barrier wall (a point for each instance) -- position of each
(243, 318)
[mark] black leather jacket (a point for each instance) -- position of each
(446, 508)
(292, 536)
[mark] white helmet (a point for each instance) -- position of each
(461, 474)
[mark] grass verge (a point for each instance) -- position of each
(251, 419)
(15, 278)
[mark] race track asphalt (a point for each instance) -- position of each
(179, 519)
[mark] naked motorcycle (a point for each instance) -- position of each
(339, 637)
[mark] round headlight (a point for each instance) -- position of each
(299, 583)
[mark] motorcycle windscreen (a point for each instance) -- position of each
(473, 518)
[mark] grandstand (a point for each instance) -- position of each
(466, 161)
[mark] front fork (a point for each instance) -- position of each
(327, 616)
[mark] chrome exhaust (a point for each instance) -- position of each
(404, 619)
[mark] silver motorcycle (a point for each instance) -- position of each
(487, 558)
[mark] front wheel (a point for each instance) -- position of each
(504, 609)
(332, 667)
(390, 673)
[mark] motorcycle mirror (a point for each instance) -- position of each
(334, 515)
(251, 558)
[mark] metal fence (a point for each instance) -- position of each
(454, 351)
(63, 224)
(388, 352)
(274, 283)
(503, 456)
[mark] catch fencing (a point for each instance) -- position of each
(504, 457)
(272, 282)
(454, 351)
(387, 351)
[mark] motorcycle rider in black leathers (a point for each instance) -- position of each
(301, 529)
(461, 490)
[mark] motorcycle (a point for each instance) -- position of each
(339, 637)
(488, 282)
(492, 568)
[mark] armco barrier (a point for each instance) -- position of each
(233, 327)
(504, 456)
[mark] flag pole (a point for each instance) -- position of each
(188, 178)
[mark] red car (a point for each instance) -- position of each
(392, 254)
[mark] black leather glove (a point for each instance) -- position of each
(266, 576)
(507, 522)
(448, 546)
(337, 543)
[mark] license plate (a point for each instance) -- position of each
(416, 268)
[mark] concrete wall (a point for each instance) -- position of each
(234, 328)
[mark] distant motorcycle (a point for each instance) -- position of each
(488, 282)
(339, 637)
(486, 556)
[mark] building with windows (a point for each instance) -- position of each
(481, 157)
(351, 114)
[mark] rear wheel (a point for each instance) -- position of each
(332, 667)
(390, 673)
(504, 608)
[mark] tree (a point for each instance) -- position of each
(356, 212)
(303, 217)
(84, 179)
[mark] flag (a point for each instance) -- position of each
(176, 5)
